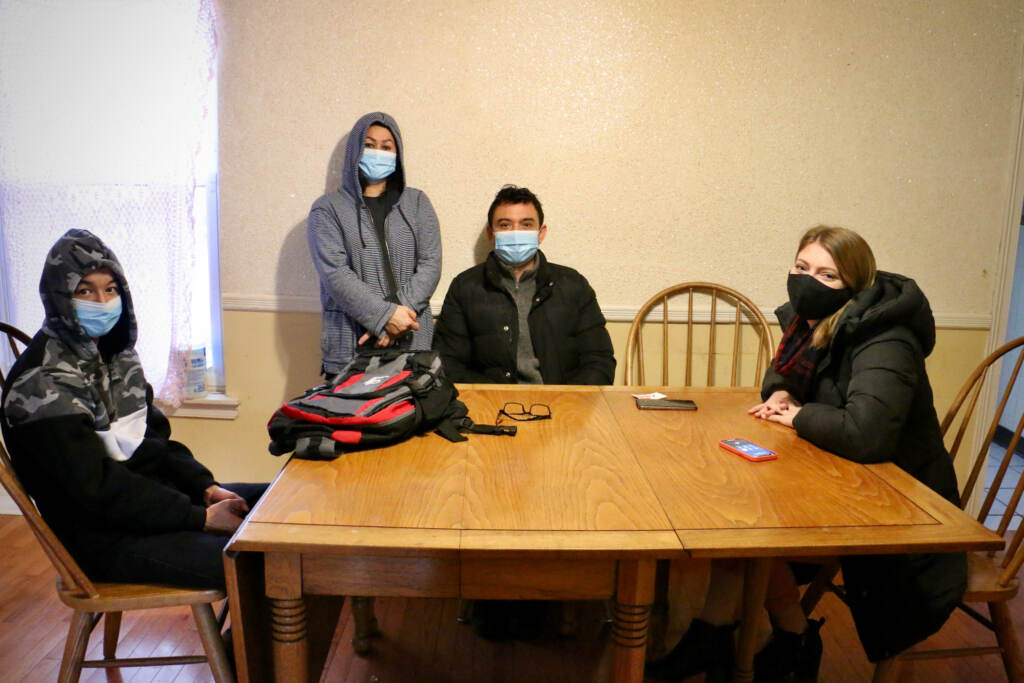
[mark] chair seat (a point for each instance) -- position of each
(120, 597)
(89, 599)
(983, 580)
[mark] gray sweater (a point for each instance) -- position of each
(348, 256)
(522, 291)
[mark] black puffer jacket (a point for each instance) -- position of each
(871, 402)
(478, 329)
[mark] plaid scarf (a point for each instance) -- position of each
(796, 359)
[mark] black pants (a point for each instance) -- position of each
(193, 559)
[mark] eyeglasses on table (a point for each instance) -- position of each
(514, 410)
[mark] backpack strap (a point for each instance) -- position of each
(448, 429)
(467, 425)
(496, 430)
(315, 448)
(452, 429)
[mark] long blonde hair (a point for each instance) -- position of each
(855, 262)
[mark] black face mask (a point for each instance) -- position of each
(814, 300)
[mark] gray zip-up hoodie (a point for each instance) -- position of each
(348, 255)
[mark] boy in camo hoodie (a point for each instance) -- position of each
(91, 448)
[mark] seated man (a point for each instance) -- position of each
(88, 444)
(516, 318)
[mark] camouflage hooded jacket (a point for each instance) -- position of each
(79, 420)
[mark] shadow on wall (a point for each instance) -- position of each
(332, 181)
(296, 334)
(298, 345)
(482, 246)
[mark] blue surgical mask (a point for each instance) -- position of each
(97, 319)
(515, 247)
(376, 164)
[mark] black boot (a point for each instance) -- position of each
(703, 648)
(789, 653)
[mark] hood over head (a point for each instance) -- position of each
(354, 149)
(892, 300)
(76, 254)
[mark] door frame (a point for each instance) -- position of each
(1003, 290)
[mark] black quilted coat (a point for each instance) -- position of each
(871, 402)
(478, 329)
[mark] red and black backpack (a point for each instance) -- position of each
(379, 398)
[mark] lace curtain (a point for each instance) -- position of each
(102, 106)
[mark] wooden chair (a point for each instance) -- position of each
(991, 577)
(13, 335)
(91, 600)
(366, 627)
(745, 315)
(739, 313)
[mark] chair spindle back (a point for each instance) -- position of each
(746, 314)
(961, 413)
(14, 336)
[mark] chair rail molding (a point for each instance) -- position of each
(280, 303)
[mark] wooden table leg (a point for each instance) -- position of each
(287, 616)
(755, 586)
(633, 596)
(249, 616)
(659, 610)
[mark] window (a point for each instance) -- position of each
(108, 122)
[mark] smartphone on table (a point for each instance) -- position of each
(746, 449)
(665, 404)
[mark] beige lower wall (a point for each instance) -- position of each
(268, 357)
(273, 356)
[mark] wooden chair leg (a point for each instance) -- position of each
(568, 626)
(111, 633)
(365, 623)
(465, 614)
(886, 671)
(222, 615)
(74, 648)
(819, 584)
(608, 613)
(209, 633)
(1007, 637)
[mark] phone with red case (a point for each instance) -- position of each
(746, 449)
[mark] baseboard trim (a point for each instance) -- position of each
(1003, 436)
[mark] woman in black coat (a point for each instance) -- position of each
(849, 377)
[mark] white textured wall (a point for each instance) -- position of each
(667, 140)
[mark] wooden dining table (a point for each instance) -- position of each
(579, 506)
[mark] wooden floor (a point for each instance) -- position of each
(422, 640)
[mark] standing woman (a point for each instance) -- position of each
(850, 378)
(376, 245)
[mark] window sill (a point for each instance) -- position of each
(210, 407)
